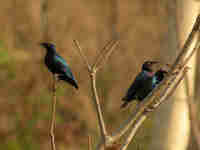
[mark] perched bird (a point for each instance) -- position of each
(142, 85)
(57, 65)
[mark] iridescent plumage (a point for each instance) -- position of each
(57, 65)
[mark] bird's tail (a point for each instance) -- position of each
(69, 80)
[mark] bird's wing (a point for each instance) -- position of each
(136, 85)
(61, 63)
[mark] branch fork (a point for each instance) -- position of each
(92, 70)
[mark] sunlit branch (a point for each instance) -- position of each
(107, 55)
(53, 115)
(92, 73)
(102, 52)
(76, 43)
(156, 94)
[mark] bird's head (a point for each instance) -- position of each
(149, 66)
(48, 46)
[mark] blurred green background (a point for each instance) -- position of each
(25, 83)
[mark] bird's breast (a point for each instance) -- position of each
(50, 63)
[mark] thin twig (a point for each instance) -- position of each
(98, 106)
(92, 72)
(53, 115)
(102, 52)
(76, 43)
(107, 55)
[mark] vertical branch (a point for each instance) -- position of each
(53, 115)
(100, 61)
(85, 60)
(97, 105)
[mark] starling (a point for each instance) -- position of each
(57, 65)
(142, 85)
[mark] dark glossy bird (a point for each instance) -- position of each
(142, 85)
(57, 65)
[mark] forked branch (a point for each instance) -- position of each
(85, 60)
(100, 61)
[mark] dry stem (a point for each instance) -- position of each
(53, 115)
(100, 61)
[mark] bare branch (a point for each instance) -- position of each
(92, 72)
(159, 91)
(197, 46)
(133, 131)
(106, 56)
(143, 117)
(98, 106)
(53, 115)
(101, 54)
(76, 43)
(158, 95)
(172, 90)
(152, 97)
(189, 41)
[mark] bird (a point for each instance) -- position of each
(143, 84)
(57, 65)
